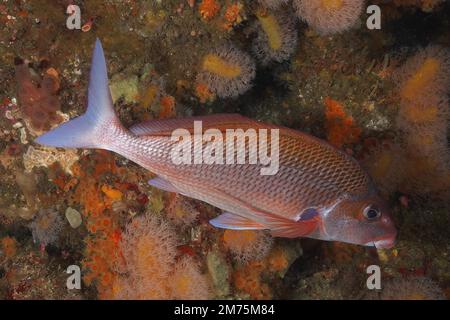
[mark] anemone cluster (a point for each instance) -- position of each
(46, 227)
(329, 16)
(419, 162)
(276, 38)
(227, 72)
(149, 269)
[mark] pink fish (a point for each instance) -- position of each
(317, 192)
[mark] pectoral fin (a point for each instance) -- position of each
(289, 229)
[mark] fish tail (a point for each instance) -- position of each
(97, 127)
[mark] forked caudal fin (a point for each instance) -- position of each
(88, 130)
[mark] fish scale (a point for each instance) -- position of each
(297, 185)
(318, 191)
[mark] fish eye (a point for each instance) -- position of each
(372, 213)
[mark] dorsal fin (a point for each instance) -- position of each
(165, 127)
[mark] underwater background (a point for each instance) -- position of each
(380, 95)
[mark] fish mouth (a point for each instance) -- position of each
(382, 243)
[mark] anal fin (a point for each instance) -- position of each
(233, 221)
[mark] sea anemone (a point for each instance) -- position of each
(148, 247)
(46, 227)
(416, 115)
(227, 71)
(425, 75)
(425, 126)
(246, 245)
(385, 163)
(329, 16)
(272, 4)
(181, 211)
(276, 38)
(411, 288)
(427, 175)
(187, 283)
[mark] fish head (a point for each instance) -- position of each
(364, 221)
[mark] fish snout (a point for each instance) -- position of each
(386, 243)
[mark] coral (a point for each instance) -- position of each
(220, 272)
(203, 93)
(247, 245)
(101, 255)
(39, 104)
(167, 109)
(112, 193)
(208, 9)
(227, 71)
(341, 128)
(233, 15)
(102, 244)
(427, 174)
(411, 288)
(273, 4)
(46, 227)
(276, 38)
(181, 211)
(31, 276)
(187, 283)
(385, 163)
(278, 260)
(248, 279)
(329, 16)
(46, 156)
(424, 5)
(27, 184)
(126, 87)
(430, 117)
(8, 246)
(425, 75)
(149, 269)
(423, 85)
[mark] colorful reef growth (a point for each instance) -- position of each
(253, 279)
(424, 75)
(187, 283)
(38, 100)
(149, 268)
(181, 211)
(246, 245)
(227, 72)
(273, 4)
(423, 119)
(46, 227)
(276, 38)
(411, 288)
(386, 165)
(341, 128)
(329, 16)
(209, 9)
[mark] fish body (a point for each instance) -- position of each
(317, 192)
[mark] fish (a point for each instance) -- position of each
(318, 191)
